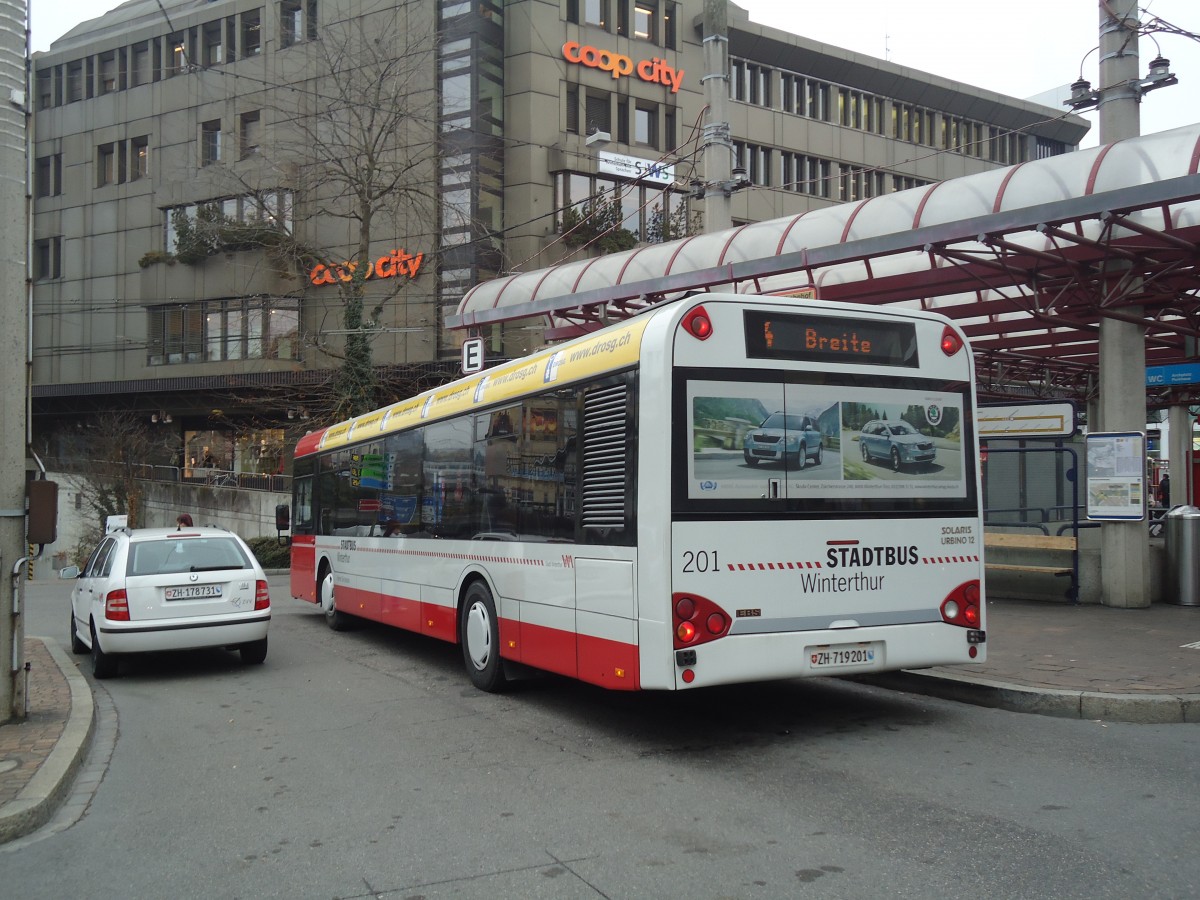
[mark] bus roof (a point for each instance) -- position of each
(608, 350)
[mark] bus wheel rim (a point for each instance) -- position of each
(479, 636)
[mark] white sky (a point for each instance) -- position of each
(1019, 49)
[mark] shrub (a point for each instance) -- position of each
(270, 553)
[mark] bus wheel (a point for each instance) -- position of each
(334, 618)
(481, 639)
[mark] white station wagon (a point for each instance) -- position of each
(154, 589)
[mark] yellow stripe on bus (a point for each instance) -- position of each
(588, 357)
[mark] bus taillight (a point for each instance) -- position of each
(951, 342)
(698, 324)
(697, 620)
(961, 607)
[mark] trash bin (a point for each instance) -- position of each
(1183, 556)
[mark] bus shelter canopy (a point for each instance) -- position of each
(1028, 260)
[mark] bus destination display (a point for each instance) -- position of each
(773, 335)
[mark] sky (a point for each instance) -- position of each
(1019, 49)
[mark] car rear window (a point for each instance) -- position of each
(185, 555)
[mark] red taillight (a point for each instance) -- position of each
(262, 597)
(951, 342)
(698, 324)
(116, 606)
(961, 606)
(697, 620)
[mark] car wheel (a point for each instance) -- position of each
(817, 456)
(895, 460)
(254, 653)
(481, 639)
(801, 457)
(77, 646)
(104, 665)
(334, 618)
(750, 460)
(865, 452)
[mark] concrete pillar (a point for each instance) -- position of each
(1179, 454)
(718, 149)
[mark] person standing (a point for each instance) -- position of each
(1164, 490)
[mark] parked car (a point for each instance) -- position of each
(782, 438)
(153, 589)
(896, 442)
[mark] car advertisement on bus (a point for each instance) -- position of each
(755, 440)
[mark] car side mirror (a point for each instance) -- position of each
(69, 572)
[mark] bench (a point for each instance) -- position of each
(1040, 543)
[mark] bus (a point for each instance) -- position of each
(706, 493)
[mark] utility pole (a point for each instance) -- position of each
(717, 145)
(14, 328)
(1124, 546)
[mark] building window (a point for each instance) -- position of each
(214, 47)
(219, 330)
(47, 258)
(139, 157)
(645, 124)
(210, 142)
(139, 69)
(755, 160)
(573, 11)
(48, 175)
(595, 12)
(251, 33)
(670, 14)
(250, 133)
(106, 164)
(74, 81)
(572, 109)
(291, 23)
(108, 72)
(599, 112)
(177, 50)
(645, 15)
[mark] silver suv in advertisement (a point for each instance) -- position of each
(897, 443)
(784, 438)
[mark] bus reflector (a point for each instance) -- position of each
(951, 342)
(698, 324)
(688, 676)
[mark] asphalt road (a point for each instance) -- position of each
(365, 765)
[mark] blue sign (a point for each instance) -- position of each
(1165, 376)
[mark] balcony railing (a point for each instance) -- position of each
(214, 478)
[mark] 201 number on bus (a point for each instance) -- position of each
(700, 561)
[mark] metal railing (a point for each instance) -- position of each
(209, 477)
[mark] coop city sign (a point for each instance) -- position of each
(397, 264)
(655, 71)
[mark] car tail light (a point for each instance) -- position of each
(116, 606)
(951, 342)
(961, 606)
(262, 597)
(697, 620)
(698, 324)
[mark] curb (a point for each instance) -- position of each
(1137, 709)
(49, 785)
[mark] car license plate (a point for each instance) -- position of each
(192, 592)
(832, 656)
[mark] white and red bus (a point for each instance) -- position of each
(723, 489)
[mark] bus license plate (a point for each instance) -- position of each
(192, 592)
(832, 656)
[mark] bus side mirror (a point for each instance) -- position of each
(283, 517)
(43, 511)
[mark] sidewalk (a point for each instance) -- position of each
(1091, 662)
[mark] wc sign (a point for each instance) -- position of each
(472, 356)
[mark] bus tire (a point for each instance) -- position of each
(334, 618)
(104, 665)
(77, 646)
(481, 639)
